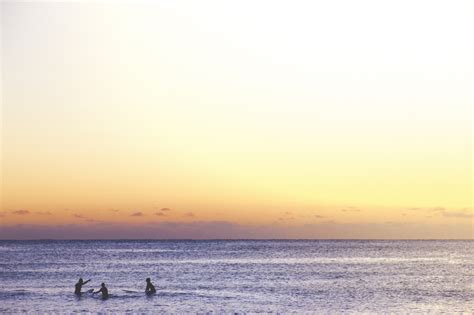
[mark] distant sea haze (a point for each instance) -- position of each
(243, 276)
(231, 230)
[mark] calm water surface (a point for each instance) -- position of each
(239, 276)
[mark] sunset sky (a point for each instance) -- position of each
(237, 119)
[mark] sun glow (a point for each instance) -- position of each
(265, 113)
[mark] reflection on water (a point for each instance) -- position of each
(239, 276)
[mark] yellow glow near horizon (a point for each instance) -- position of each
(237, 112)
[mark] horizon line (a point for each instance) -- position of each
(240, 239)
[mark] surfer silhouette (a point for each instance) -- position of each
(103, 290)
(150, 288)
(79, 285)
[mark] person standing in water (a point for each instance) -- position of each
(79, 285)
(103, 290)
(150, 288)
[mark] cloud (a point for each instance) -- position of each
(43, 213)
(86, 219)
(319, 216)
(286, 216)
(21, 212)
(350, 209)
(458, 214)
(189, 214)
(465, 213)
(165, 209)
(160, 214)
(137, 214)
(114, 210)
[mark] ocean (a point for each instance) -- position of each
(241, 276)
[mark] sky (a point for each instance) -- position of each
(247, 119)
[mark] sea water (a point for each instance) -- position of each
(249, 276)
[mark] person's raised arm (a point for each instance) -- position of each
(86, 281)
